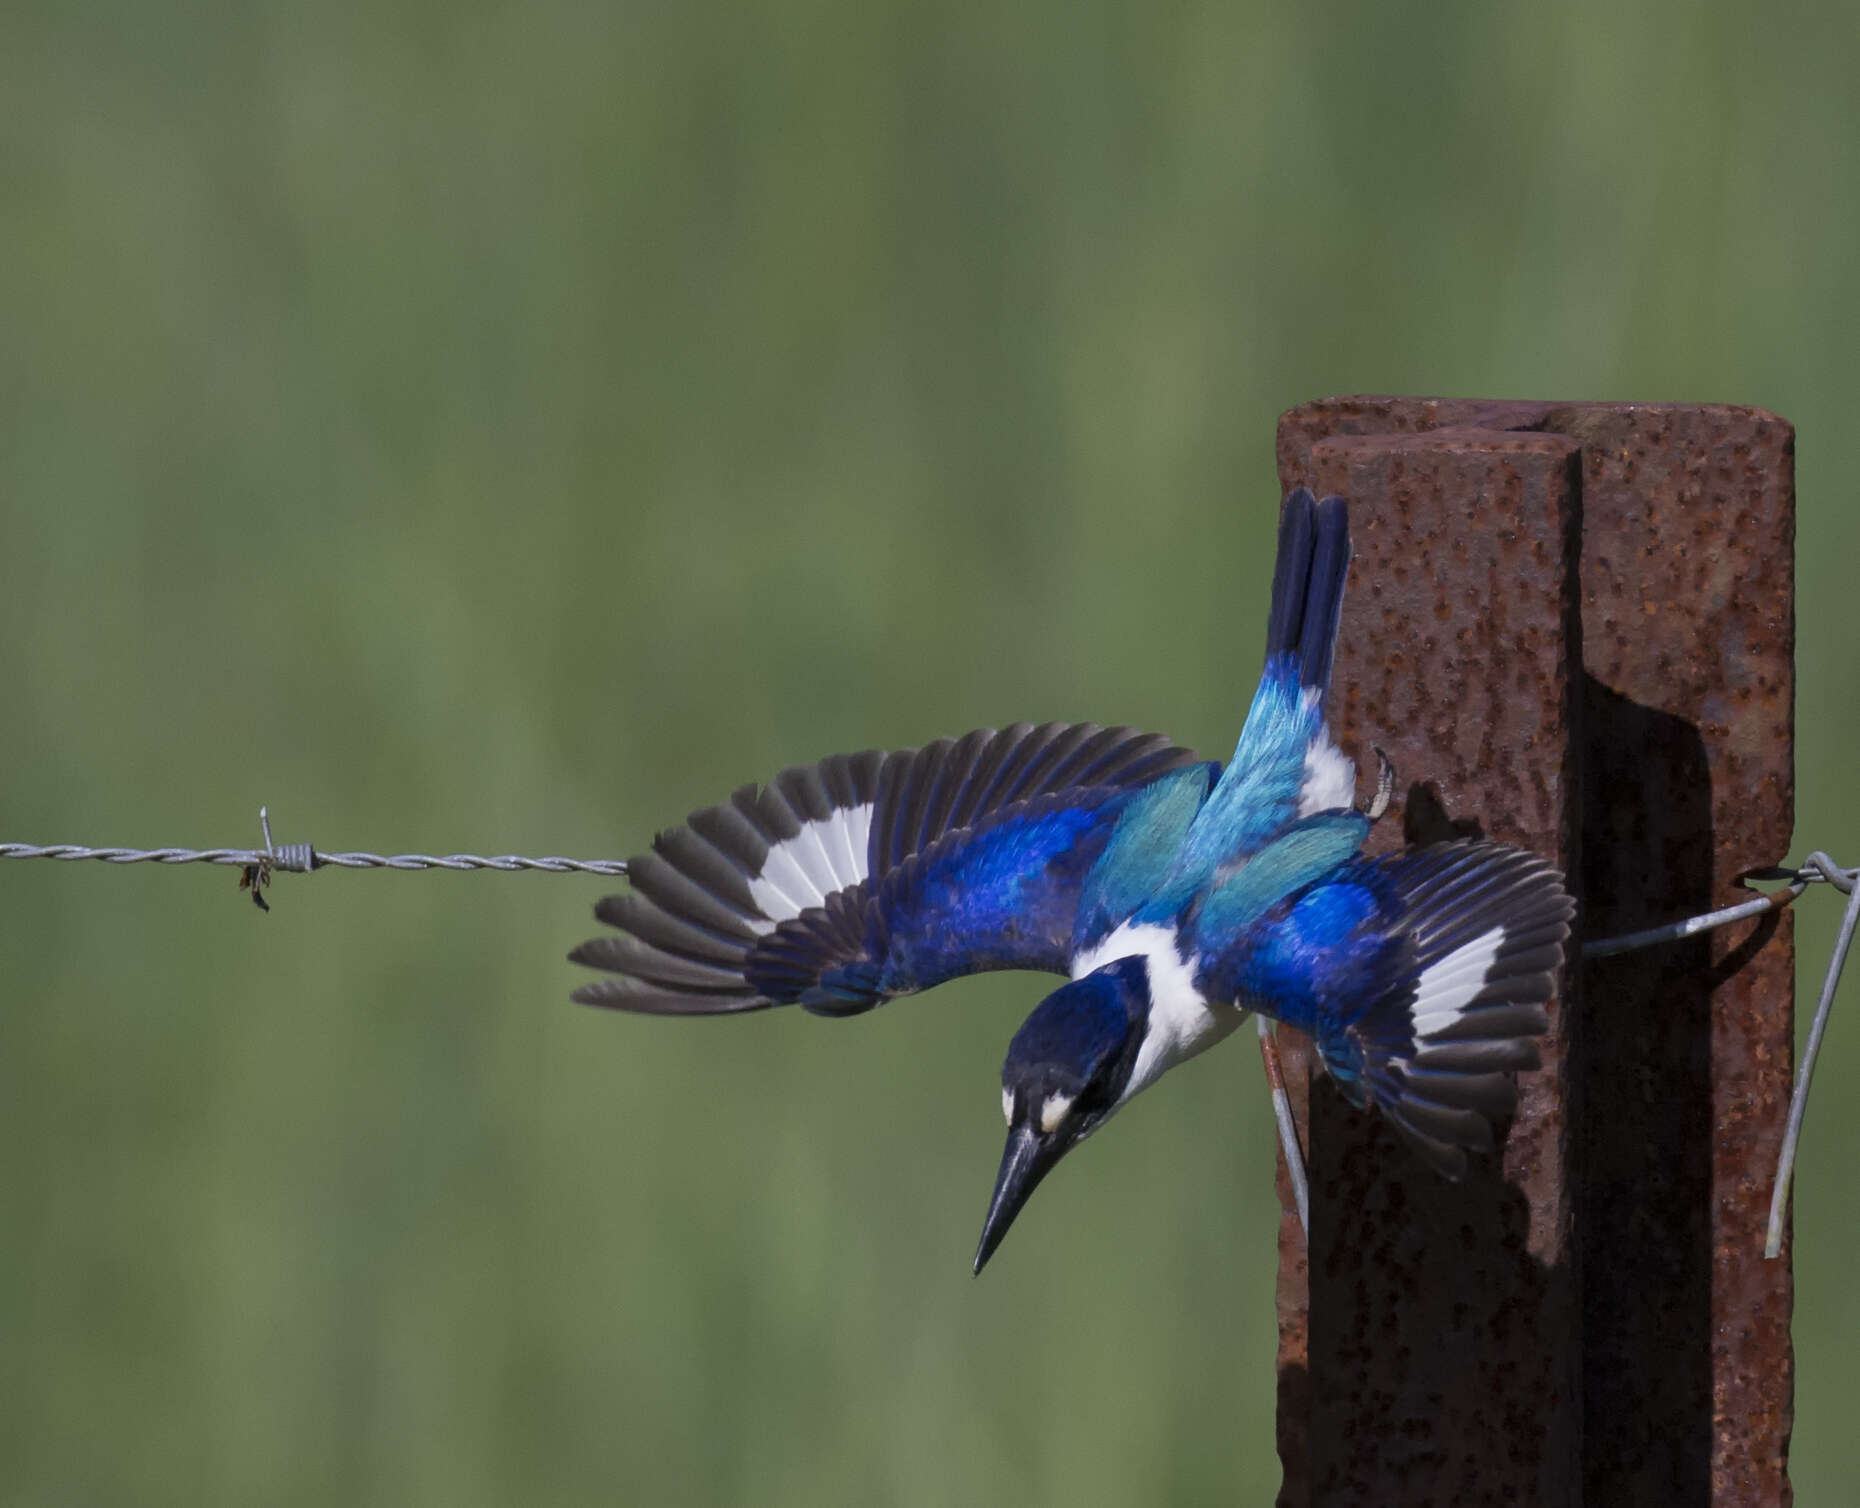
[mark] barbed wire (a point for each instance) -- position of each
(1288, 1126)
(281, 859)
(258, 865)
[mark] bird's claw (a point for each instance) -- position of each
(1385, 788)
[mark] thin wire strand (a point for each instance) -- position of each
(259, 864)
(1798, 1103)
(302, 858)
(1818, 868)
(1607, 947)
(1288, 1127)
(245, 857)
(508, 863)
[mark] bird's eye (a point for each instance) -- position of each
(1055, 1109)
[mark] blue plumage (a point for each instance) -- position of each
(1073, 1044)
(1178, 895)
(1305, 851)
(1141, 854)
(1264, 786)
(1005, 897)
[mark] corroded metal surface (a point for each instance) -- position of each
(1441, 1357)
(1657, 1125)
(1688, 617)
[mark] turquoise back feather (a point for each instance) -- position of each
(1307, 851)
(1141, 852)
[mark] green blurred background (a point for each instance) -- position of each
(506, 428)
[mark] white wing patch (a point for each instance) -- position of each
(1446, 988)
(824, 856)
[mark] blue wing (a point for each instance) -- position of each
(1004, 895)
(1423, 977)
(1306, 851)
(866, 876)
(1141, 853)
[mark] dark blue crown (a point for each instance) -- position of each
(1081, 1031)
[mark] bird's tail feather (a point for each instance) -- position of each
(1485, 926)
(1307, 584)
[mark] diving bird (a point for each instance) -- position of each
(1175, 895)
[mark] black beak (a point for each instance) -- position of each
(1029, 1158)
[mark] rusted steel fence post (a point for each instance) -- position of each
(1571, 624)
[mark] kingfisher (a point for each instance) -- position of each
(1176, 897)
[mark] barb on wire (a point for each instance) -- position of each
(257, 865)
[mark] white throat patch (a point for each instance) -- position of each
(1181, 1023)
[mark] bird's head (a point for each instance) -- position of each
(1067, 1070)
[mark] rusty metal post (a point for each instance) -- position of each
(1442, 1346)
(1571, 624)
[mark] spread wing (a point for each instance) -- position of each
(865, 876)
(1423, 975)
